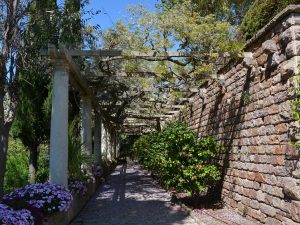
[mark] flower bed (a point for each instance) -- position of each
(9, 216)
(50, 204)
(42, 200)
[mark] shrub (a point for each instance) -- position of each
(17, 166)
(42, 174)
(179, 158)
(41, 200)
(260, 14)
(9, 216)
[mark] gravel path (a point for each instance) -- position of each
(131, 197)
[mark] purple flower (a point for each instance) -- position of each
(9, 216)
(41, 199)
(77, 187)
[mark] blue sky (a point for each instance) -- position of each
(112, 10)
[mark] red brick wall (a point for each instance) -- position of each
(251, 116)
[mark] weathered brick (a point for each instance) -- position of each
(256, 214)
(272, 221)
(295, 211)
(280, 150)
(259, 177)
(266, 209)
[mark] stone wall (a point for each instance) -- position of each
(251, 115)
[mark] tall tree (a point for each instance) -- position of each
(231, 10)
(12, 26)
(71, 34)
(32, 121)
(260, 13)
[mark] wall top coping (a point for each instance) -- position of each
(284, 13)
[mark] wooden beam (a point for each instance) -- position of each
(78, 80)
(148, 117)
(76, 76)
(119, 52)
(173, 112)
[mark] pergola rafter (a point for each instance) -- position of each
(108, 104)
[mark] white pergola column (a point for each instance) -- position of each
(97, 138)
(86, 125)
(59, 125)
(108, 141)
(103, 141)
(118, 145)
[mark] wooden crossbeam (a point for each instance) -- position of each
(75, 76)
(148, 117)
(173, 112)
(118, 52)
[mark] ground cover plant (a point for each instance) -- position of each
(179, 159)
(9, 216)
(42, 200)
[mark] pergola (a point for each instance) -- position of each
(106, 138)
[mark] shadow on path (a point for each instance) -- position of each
(131, 197)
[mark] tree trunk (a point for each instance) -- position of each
(3, 155)
(33, 163)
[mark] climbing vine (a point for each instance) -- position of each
(296, 112)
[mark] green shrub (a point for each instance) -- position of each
(261, 12)
(17, 166)
(179, 158)
(42, 174)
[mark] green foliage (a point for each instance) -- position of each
(76, 157)
(261, 13)
(17, 166)
(42, 174)
(296, 110)
(179, 158)
(229, 10)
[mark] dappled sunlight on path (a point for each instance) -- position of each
(131, 197)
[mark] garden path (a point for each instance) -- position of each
(131, 197)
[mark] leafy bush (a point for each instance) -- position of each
(9, 216)
(261, 13)
(40, 199)
(179, 158)
(17, 166)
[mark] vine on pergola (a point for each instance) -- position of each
(199, 46)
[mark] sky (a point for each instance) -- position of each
(112, 10)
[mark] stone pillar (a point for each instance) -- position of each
(59, 125)
(118, 145)
(103, 142)
(97, 138)
(86, 123)
(108, 144)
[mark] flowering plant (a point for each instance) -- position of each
(41, 199)
(9, 216)
(77, 187)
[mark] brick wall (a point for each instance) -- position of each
(251, 116)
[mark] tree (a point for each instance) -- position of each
(12, 26)
(152, 76)
(232, 11)
(260, 14)
(32, 121)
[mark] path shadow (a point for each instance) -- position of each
(131, 197)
